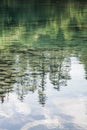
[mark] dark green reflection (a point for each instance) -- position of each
(39, 24)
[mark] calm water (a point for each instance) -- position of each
(43, 65)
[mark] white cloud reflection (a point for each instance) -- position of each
(9, 109)
(74, 108)
(50, 121)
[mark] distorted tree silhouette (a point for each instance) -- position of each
(59, 70)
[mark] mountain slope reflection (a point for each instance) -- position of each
(30, 71)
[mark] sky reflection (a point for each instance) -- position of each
(66, 109)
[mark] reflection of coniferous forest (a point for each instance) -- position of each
(31, 72)
(32, 39)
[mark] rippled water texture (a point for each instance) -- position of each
(43, 65)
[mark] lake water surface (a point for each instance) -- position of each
(43, 65)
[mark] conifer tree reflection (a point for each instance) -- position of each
(83, 56)
(41, 91)
(59, 70)
(5, 75)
